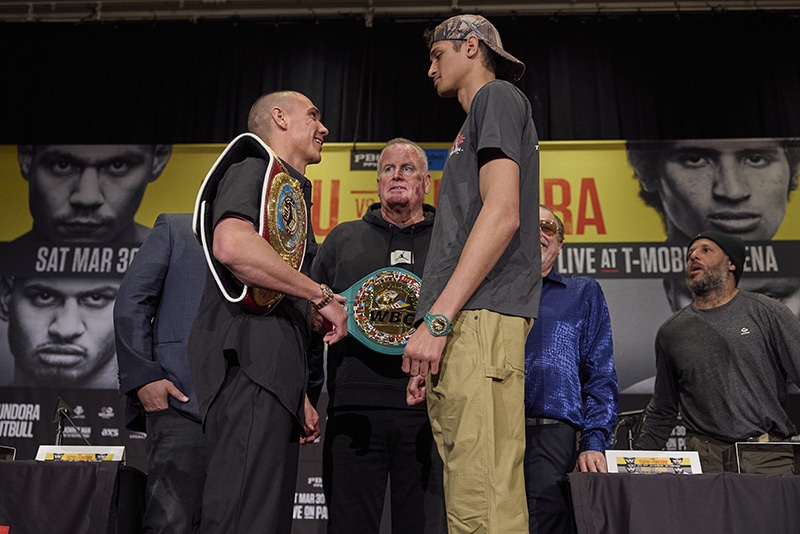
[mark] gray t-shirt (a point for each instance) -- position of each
(499, 117)
(726, 368)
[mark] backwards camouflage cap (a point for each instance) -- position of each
(460, 27)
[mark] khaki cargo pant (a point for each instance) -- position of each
(477, 413)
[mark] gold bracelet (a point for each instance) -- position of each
(327, 297)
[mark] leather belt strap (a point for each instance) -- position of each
(541, 421)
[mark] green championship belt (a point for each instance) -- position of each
(283, 220)
(381, 307)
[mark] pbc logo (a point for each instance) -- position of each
(106, 412)
(364, 160)
(110, 432)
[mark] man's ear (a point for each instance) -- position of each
(426, 182)
(160, 159)
(473, 46)
(647, 167)
(6, 287)
(648, 182)
(25, 159)
(279, 117)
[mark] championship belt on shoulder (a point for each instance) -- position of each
(283, 220)
(382, 306)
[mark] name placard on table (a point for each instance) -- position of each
(653, 462)
(80, 453)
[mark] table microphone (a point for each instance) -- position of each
(64, 411)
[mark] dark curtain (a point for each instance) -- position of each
(603, 77)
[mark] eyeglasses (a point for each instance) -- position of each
(549, 227)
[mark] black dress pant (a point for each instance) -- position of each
(253, 449)
(365, 447)
(550, 453)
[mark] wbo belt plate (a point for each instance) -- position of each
(282, 220)
(382, 309)
(284, 226)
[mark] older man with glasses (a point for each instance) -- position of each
(570, 385)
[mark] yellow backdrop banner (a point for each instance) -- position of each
(589, 184)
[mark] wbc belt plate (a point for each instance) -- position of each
(283, 220)
(382, 306)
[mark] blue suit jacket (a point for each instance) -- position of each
(153, 313)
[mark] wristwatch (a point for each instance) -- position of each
(327, 297)
(438, 325)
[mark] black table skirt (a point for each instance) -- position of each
(727, 503)
(70, 497)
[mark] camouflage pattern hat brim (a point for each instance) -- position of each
(460, 27)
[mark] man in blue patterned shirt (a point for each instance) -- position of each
(570, 385)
